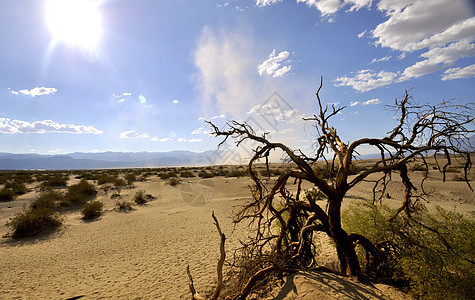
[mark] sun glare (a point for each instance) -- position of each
(76, 22)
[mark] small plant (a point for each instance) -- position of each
(119, 182)
(186, 174)
(130, 178)
(92, 210)
(204, 174)
(163, 176)
(79, 193)
(173, 181)
(41, 215)
(435, 259)
(55, 181)
(17, 187)
(124, 206)
(115, 194)
(7, 195)
(140, 197)
(422, 168)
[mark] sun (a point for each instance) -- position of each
(76, 22)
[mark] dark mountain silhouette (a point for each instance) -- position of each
(78, 160)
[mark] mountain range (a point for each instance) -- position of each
(103, 160)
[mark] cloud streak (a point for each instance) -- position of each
(272, 65)
(132, 134)
(34, 92)
(46, 126)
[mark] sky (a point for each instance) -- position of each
(143, 75)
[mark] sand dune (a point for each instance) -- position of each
(143, 254)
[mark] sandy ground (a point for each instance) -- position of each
(143, 254)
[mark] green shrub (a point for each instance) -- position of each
(173, 181)
(119, 182)
(238, 173)
(163, 175)
(186, 174)
(7, 195)
(124, 206)
(54, 181)
(105, 178)
(19, 188)
(437, 259)
(41, 215)
(130, 178)
(80, 193)
(204, 174)
(422, 168)
(140, 197)
(92, 210)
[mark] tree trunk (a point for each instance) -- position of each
(348, 259)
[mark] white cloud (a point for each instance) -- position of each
(121, 100)
(182, 140)
(142, 99)
(126, 94)
(37, 91)
(417, 24)
(201, 119)
(224, 61)
(59, 150)
(272, 65)
(444, 36)
(262, 3)
(176, 101)
(19, 126)
(360, 35)
(157, 139)
(366, 80)
(456, 73)
(194, 141)
(386, 58)
(330, 7)
(372, 102)
(326, 7)
(354, 103)
(132, 134)
(218, 117)
(272, 111)
(438, 58)
(198, 131)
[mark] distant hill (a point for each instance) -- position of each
(79, 160)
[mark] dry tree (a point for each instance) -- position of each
(285, 222)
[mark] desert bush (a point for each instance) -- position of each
(7, 195)
(119, 182)
(124, 206)
(163, 175)
(18, 188)
(140, 197)
(92, 210)
(79, 193)
(238, 173)
(436, 259)
(186, 174)
(173, 181)
(105, 178)
(204, 174)
(130, 178)
(41, 215)
(24, 178)
(54, 181)
(422, 168)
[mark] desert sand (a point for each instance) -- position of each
(143, 254)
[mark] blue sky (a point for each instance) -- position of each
(142, 75)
